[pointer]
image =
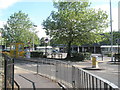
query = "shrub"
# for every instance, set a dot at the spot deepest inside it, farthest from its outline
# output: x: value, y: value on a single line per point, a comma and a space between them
x: 109, y: 54
x: 87, y: 56
x: 77, y: 56
x: 81, y: 56
x: 36, y: 54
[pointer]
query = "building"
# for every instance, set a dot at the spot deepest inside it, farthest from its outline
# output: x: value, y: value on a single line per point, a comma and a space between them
x: 94, y: 48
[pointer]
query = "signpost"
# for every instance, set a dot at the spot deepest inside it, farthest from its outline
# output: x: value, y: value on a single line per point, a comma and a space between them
x: 46, y: 41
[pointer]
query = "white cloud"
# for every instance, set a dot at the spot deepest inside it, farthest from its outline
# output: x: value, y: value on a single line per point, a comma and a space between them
x: 41, y: 32
x: 6, y: 3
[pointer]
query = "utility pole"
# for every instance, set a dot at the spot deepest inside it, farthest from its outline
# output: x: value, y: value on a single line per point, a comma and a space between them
x: 111, y: 32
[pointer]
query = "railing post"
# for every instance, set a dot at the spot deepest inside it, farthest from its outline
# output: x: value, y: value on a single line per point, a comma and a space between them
x: 37, y: 67
x: 5, y: 74
x: 87, y: 81
x: 102, y: 57
x: 8, y: 73
x: 73, y: 76
x: 56, y: 73
x: 93, y: 83
x: 12, y: 74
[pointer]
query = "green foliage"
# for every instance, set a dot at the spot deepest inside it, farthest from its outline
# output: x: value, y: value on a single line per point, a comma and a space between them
x: 109, y: 54
x: 75, y: 23
x: 42, y: 42
x: 87, y: 55
x: 107, y: 37
x: 81, y: 56
x: 77, y: 57
x: 19, y: 28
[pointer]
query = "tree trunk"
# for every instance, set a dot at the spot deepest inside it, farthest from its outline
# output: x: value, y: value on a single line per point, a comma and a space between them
x: 69, y: 50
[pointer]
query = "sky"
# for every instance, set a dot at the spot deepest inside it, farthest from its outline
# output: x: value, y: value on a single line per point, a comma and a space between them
x: 39, y: 10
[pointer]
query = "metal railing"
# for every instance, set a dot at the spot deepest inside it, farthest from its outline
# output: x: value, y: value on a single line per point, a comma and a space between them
x: 89, y: 81
x: 1, y: 71
x: 8, y: 76
x: 69, y: 75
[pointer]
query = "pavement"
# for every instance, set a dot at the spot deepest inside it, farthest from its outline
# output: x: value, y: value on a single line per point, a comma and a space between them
x: 30, y: 80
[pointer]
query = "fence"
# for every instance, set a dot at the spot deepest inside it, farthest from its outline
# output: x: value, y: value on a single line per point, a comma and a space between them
x: 8, y: 76
x: 57, y: 55
x: 1, y: 71
x: 69, y: 75
x: 89, y: 81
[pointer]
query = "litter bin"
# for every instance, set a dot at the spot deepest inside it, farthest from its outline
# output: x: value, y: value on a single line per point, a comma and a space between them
x: 94, y: 62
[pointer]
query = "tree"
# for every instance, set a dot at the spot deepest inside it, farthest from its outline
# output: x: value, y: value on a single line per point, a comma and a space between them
x: 107, y: 38
x: 75, y: 23
x: 19, y: 28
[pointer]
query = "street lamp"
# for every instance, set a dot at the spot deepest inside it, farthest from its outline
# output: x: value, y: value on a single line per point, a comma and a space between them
x: 111, y: 32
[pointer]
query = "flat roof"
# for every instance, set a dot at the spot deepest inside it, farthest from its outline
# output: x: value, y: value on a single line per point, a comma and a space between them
x: 109, y: 46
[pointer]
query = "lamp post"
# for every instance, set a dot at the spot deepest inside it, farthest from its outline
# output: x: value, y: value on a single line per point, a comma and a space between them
x: 111, y: 32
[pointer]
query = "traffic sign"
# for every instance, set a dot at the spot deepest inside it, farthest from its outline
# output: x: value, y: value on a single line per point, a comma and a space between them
x: 46, y: 40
